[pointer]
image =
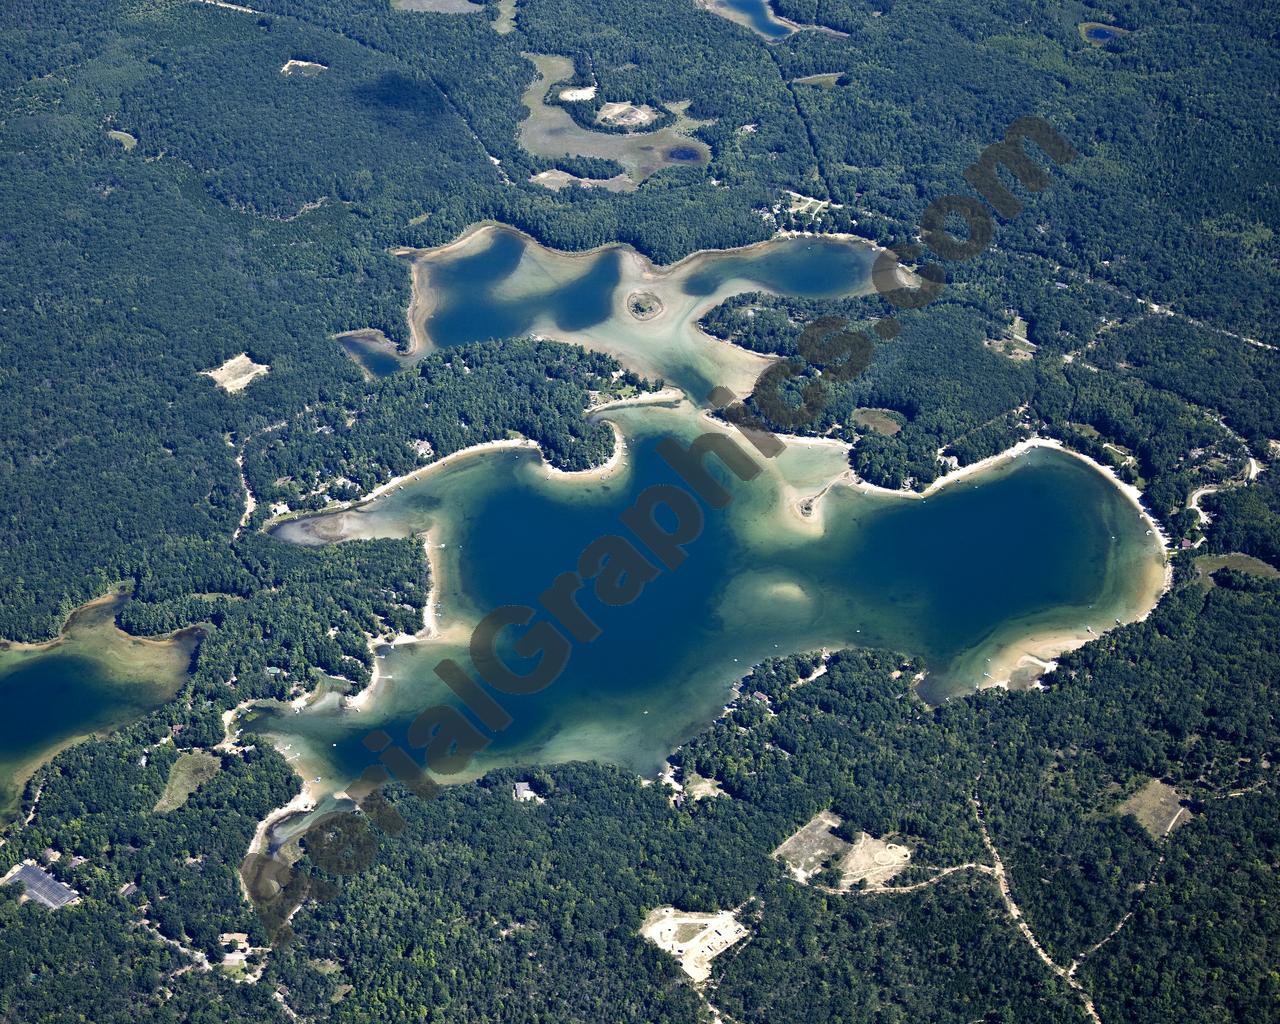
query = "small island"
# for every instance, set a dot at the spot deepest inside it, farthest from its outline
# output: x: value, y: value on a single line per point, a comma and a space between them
x: 644, y: 305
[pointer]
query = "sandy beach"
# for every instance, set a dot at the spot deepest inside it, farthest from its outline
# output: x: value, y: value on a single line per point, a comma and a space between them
x: 303, y: 802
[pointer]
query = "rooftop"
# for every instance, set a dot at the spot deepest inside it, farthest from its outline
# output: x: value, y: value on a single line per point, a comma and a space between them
x: 42, y: 886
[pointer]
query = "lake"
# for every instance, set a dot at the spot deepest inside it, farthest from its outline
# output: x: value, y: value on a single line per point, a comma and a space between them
x: 1042, y: 546
x: 94, y: 678
x: 756, y: 15
x: 1030, y: 556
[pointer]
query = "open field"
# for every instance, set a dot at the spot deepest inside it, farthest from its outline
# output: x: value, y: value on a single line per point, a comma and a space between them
x: 822, y: 81
x: 693, y: 939
x: 550, y: 131
x: 812, y: 848
x: 882, y: 421
x: 1017, y: 349
x: 236, y: 373
x: 1207, y: 565
x: 868, y: 862
x: 185, y: 777
x: 698, y: 788
x: 506, y: 20
x: 557, y: 179
x: 124, y: 138
x: 1158, y: 808
x: 873, y: 861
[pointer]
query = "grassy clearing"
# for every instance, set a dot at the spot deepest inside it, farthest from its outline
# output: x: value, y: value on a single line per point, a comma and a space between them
x: 827, y: 81
x: 124, y: 138
x: 185, y: 777
x: 1206, y: 565
x: 506, y: 20
x: 1018, y: 349
x: 1158, y: 808
x: 881, y: 421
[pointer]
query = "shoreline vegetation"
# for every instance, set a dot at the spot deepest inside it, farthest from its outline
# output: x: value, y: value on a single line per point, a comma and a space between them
x: 677, y: 320
x: 1013, y: 663
x: 1040, y: 646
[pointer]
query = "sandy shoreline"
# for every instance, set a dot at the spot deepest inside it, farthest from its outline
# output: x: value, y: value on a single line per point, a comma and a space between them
x: 1038, y: 649
x: 300, y: 804
x: 430, y: 628
x: 601, y: 472
x: 1022, y: 447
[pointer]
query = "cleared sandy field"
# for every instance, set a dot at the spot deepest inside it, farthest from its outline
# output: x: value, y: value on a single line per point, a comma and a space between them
x: 236, y: 373
x: 693, y: 939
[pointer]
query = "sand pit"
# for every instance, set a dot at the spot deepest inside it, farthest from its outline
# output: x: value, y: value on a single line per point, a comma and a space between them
x: 586, y: 92
x: 693, y: 939
x: 873, y: 861
x: 236, y: 373
x: 868, y: 862
x: 624, y: 115
x: 306, y: 68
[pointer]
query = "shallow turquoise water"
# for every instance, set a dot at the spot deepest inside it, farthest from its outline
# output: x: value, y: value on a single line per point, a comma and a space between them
x: 760, y: 17
x: 1043, y: 540
x: 95, y: 679
x: 471, y: 309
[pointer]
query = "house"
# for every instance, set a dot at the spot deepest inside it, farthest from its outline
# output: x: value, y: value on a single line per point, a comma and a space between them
x: 522, y: 792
